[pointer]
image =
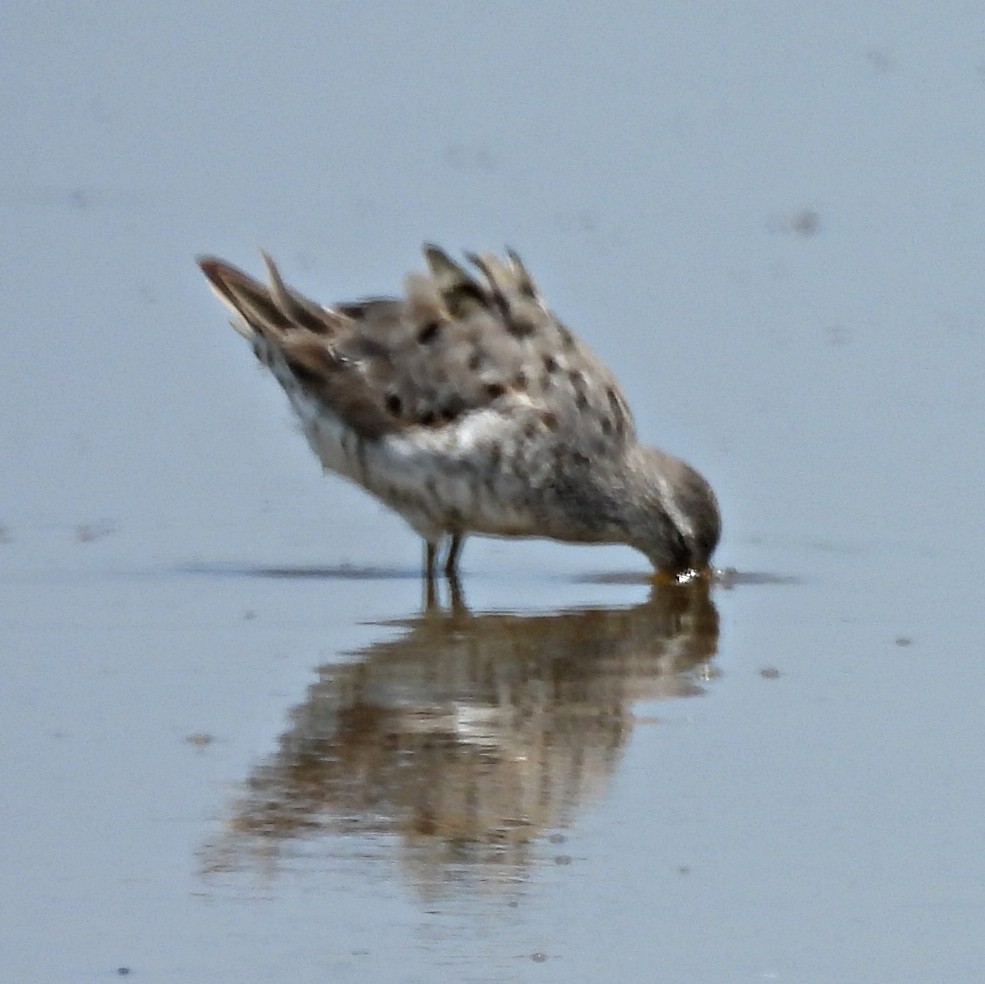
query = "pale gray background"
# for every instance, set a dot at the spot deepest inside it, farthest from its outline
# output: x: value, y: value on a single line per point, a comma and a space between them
x: 767, y: 218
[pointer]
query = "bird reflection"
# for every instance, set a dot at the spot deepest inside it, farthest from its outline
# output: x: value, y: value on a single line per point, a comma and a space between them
x: 469, y: 736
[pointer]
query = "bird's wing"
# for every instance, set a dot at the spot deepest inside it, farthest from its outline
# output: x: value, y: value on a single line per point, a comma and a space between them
x: 453, y: 345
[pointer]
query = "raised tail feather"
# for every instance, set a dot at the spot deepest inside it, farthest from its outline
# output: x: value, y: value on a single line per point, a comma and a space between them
x: 268, y: 310
x: 287, y: 328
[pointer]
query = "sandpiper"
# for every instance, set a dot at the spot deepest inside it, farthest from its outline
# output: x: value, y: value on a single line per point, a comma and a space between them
x: 468, y: 407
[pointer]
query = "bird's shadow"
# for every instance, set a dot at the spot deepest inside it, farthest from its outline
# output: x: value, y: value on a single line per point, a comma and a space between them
x: 726, y: 578
x: 339, y: 572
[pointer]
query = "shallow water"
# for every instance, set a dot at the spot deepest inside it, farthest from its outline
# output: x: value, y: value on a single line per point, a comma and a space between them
x: 237, y: 741
x: 222, y: 774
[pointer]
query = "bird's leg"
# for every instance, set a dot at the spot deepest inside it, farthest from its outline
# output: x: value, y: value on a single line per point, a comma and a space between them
x: 455, y: 597
x: 430, y: 594
x: 451, y: 560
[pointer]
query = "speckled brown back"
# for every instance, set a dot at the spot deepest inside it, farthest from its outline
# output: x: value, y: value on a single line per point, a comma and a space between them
x: 451, y: 346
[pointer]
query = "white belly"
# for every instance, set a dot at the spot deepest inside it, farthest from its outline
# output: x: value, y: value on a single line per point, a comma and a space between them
x: 440, y: 480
